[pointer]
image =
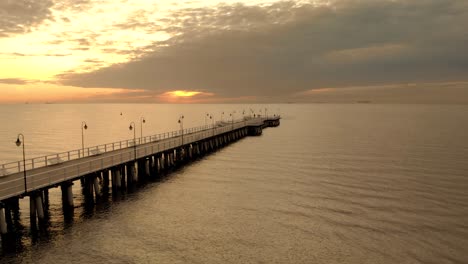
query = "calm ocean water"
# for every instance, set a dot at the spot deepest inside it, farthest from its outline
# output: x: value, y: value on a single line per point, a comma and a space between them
x: 351, y: 183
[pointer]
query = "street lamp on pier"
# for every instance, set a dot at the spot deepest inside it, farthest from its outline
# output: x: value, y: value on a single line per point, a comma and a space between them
x: 84, y: 126
x: 181, y: 122
x: 142, y: 121
x: 232, y: 120
x: 131, y: 127
x: 212, y: 124
x: 18, y: 143
x: 206, y: 117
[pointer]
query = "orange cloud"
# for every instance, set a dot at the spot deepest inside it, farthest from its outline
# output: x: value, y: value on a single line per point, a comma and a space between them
x: 38, y: 92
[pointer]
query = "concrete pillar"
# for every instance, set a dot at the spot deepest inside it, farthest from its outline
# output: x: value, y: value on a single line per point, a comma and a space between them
x: 157, y: 164
x: 3, y: 223
x: 162, y: 161
x: 46, y: 202
x: 141, y: 168
x: 152, y: 166
x: 40, y: 207
x: 115, y: 181
x: 182, y: 155
x: 105, y: 180
x: 169, y: 159
x: 32, y: 211
x: 128, y: 174
x: 67, y: 194
x: 121, y: 174
x: 96, y: 187
x: 136, y: 176
x: 147, y: 167
x: 88, y: 189
x: 7, y: 209
x: 132, y: 176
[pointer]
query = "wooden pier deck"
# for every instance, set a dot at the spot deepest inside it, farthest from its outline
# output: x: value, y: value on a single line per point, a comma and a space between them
x: 56, y: 171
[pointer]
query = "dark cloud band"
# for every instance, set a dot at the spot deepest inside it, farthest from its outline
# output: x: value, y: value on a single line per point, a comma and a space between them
x: 285, y: 48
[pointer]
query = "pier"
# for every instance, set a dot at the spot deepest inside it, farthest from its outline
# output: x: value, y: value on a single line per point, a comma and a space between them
x: 117, y: 167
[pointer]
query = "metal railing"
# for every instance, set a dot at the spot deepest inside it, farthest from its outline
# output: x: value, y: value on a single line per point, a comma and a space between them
x: 43, y: 161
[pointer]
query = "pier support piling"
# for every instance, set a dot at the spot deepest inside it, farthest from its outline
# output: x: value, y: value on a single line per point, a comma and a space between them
x: 67, y: 195
x: 3, y: 222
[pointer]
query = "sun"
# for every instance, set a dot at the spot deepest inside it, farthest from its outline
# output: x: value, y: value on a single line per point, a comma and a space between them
x: 183, y: 93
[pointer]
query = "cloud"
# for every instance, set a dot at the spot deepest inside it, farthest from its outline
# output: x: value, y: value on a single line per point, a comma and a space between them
x: 72, y: 5
x: 16, y: 54
x: 285, y: 48
x: 14, y: 81
x: 424, y: 93
x: 20, y: 16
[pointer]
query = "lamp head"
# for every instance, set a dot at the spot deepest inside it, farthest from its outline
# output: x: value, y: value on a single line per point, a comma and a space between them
x: 85, y: 126
x: 144, y: 121
x: 130, y: 127
x: 18, y: 142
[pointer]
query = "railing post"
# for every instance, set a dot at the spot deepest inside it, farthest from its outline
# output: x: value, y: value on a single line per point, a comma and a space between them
x: 32, y: 163
x: 68, y: 157
x: 45, y: 158
x: 19, y: 166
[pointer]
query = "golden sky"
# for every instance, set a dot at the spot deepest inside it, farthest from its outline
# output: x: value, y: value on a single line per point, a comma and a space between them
x: 82, y: 37
x: 209, y: 51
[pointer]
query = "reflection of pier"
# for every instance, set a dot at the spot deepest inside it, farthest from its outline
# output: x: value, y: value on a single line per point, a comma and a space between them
x: 115, y: 167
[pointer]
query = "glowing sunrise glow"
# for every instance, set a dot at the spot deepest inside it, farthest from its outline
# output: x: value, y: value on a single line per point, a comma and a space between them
x: 181, y: 93
x: 183, y: 96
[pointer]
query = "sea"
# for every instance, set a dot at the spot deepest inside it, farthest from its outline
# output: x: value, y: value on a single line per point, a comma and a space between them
x: 334, y: 183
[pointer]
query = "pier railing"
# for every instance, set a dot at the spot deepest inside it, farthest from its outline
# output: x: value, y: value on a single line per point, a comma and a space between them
x: 54, y: 159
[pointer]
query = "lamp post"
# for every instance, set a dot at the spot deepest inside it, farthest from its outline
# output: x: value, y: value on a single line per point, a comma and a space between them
x: 134, y: 137
x: 84, y: 126
x: 142, y: 121
x: 232, y: 120
x: 222, y: 116
x: 181, y: 122
x: 206, y: 116
x: 18, y: 143
x: 213, y: 124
